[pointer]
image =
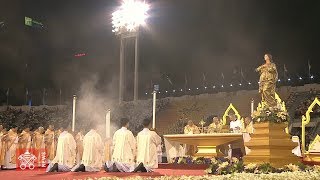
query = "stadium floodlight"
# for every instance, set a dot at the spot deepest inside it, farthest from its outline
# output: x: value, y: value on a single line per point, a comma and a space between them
x: 130, y: 15
x: 126, y: 21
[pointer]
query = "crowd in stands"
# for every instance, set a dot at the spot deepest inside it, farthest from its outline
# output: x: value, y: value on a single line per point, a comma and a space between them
x: 303, y: 106
x: 14, y: 117
x: 58, y: 115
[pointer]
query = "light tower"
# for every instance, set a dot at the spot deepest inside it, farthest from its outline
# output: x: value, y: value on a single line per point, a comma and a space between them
x: 126, y: 22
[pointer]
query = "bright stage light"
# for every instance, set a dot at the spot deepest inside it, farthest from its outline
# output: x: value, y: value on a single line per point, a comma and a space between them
x: 130, y: 15
x: 249, y: 83
x: 300, y: 78
x: 289, y: 79
x: 311, y: 77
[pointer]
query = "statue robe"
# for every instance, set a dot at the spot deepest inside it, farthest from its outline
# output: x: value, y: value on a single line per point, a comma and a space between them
x: 66, y: 152
x: 49, y: 144
x: 24, y: 142
x: 92, y: 157
x: 147, y: 143
x: 267, y: 86
x: 124, y: 146
x: 11, y: 143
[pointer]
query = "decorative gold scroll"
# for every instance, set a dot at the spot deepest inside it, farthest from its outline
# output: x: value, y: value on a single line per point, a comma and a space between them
x: 226, y: 113
x: 306, y: 120
x: 316, y: 139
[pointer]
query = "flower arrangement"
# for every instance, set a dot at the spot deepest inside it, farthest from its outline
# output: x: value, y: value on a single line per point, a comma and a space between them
x: 276, y: 115
x: 225, y: 166
x: 192, y: 160
x: 237, y: 176
x: 234, y: 169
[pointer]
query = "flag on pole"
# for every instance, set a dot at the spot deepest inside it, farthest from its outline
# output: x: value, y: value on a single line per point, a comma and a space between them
x: 185, y: 81
x: 204, y: 80
x: 309, y: 68
x: 242, y: 75
x: 169, y: 80
x: 8, y: 91
x: 222, y: 75
x: 285, y: 70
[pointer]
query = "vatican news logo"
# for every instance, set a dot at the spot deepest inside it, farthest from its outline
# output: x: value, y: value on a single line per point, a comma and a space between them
x: 31, y: 159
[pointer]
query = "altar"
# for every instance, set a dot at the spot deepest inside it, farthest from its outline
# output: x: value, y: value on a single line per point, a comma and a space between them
x: 206, y: 143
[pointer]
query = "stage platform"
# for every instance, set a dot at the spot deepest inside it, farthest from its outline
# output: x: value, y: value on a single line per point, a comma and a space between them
x: 164, y: 169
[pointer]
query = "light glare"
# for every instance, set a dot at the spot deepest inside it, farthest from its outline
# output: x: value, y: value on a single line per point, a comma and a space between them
x: 130, y: 15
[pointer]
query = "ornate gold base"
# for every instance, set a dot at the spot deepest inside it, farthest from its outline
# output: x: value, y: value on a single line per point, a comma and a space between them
x: 312, y: 157
x: 208, y: 151
x: 270, y: 144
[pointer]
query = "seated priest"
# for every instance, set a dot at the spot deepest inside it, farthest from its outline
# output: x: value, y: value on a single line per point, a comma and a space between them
x: 248, y: 125
x: 147, y: 147
x: 66, y: 153
x: 235, y: 124
x: 190, y: 128
x: 215, y: 126
x: 237, y: 148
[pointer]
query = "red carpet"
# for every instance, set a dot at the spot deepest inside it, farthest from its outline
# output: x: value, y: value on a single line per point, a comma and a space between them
x: 42, y: 175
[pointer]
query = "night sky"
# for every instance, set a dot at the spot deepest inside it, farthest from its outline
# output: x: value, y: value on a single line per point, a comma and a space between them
x: 183, y: 38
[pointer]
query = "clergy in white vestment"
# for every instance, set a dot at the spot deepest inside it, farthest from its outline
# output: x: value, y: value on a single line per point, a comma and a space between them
x: 92, y: 158
x: 235, y: 124
x: 124, y: 144
x: 66, y: 153
x: 124, y: 150
x: 147, y: 143
x: 237, y: 148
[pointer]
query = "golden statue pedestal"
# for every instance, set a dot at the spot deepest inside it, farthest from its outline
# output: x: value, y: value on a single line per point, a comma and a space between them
x: 270, y: 144
x: 312, y: 157
x: 207, y: 144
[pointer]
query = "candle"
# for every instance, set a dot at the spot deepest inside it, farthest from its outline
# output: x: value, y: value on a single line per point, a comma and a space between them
x: 154, y: 110
x: 74, y: 112
x: 108, y: 117
x: 252, y: 106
